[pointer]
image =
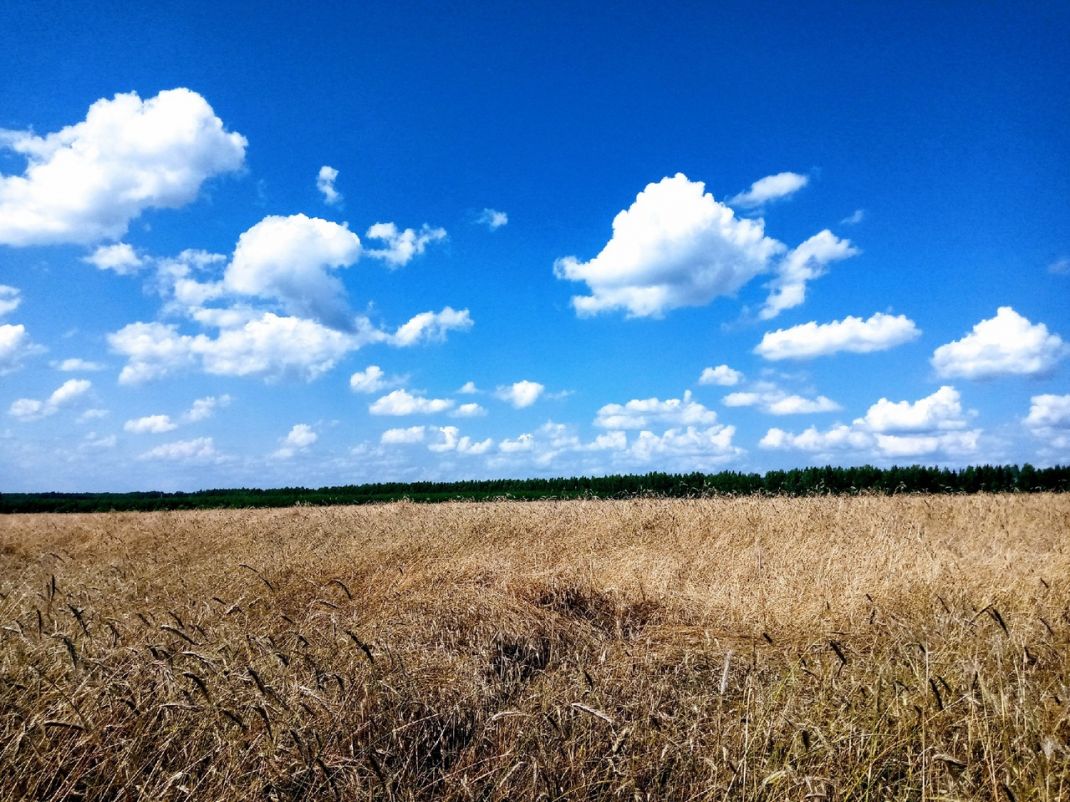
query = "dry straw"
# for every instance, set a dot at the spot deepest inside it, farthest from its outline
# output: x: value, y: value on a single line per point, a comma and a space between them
x: 824, y: 648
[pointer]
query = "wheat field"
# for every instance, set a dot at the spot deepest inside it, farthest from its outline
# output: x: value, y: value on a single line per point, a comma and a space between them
x: 911, y: 647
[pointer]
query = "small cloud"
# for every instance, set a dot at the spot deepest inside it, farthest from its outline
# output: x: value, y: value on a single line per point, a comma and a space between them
x: 1005, y: 345
x: 852, y: 334
x: 120, y: 258
x: 643, y: 413
x: 98, y: 442
x: 468, y: 411
x: 525, y: 442
x: 200, y: 449
x: 770, y: 188
x: 325, y: 184
x: 449, y: 438
x: 854, y: 218
x: 492, y: 219
x: 401, y: 246
x: 806, y: 262
x: 299, y: 439
x: 92, y: 414
x: 431, y: 327
x: 204, y: 408
x: 407, y: 436
x: 402, y: 402
x: 1049, y: 410
x: 10, y: 298
x: 373, y: 380
x: 468, y: 388
x: 15, y: 346
x: 722, y: 376
x: 150, y: 424
x: 1060, y: 267
x: 772, y: 400
x: 1049, y: 420
x: 29, y: 409
x: 76, y: 365
x: 520, y: 394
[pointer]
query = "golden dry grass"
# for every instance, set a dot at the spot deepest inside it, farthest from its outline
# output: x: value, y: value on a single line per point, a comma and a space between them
x: 823, y: 648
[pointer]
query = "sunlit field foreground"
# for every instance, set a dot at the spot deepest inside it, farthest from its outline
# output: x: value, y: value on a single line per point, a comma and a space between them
x: 823, y: 648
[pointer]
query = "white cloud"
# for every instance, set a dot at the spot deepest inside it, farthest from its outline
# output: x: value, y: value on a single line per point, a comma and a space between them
x: 431, y: 327
x: 299, y: 439
x: 401, y: 402
x: 712, y: 445
x: 98, y: 442
x: 150, y: 424
x: 468, y: 446
x: 269, y: 345
x: 643, y: 413
x: 1060, y: 267
x: 879, y: 333
x: 77, y: 365
x: 200, y: 449
x: 325, y: 184
x: 468, y: 388
x: 525, y: 442
x: 407, y: 436
x: 770, y: 188
x: 854, y: 218
x: 520, y: 394
x: 120, y: 258
x: 10, y: 298
x: 1049, y: 411
x: 177, y: 277
x: 844, y: 438
x: 608, y: 441
x: 685, y: 448
x: 204, y: 408
x: 252, y: 343
x: 401, y: 246
x: 15, y: 346
x: 941, y: 410
x: 373, y: 380
x: 277, y: 345
x: 470, y: 410
x: 675, y: 246
x: 1049, y: 420
x: 797, y: 405
x: 92, y: 414
x: 450, y: 439
x: 28, y: 409
x: 774, y: 401
x: 834, y: 438
x: 153, y: 350
x: 492, y: 219
x: 287, y: 259
x: 1005, y: 345
x: 921, y: 445
x: 890, y: 430
x: 804, y: 263
x: 87, y: 181
x: 722, y: 376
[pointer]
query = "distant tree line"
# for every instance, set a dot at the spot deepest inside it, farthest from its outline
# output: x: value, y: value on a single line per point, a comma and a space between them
x: 797, y: 482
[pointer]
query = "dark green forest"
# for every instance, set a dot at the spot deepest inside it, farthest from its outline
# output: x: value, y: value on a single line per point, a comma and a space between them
x: 797, y: 482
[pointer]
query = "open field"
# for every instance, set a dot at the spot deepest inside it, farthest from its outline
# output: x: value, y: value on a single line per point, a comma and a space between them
x: 910, y: 647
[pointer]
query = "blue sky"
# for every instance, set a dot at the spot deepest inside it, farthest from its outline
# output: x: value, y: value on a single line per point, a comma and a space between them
x: 261, y: 245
